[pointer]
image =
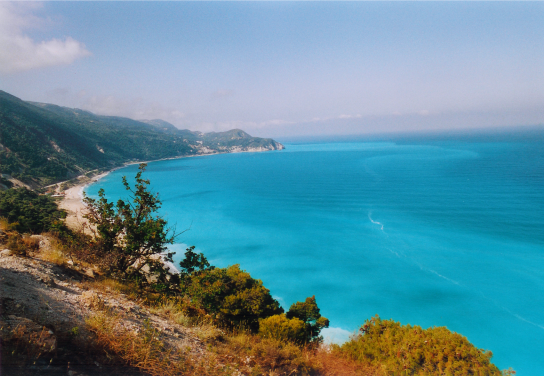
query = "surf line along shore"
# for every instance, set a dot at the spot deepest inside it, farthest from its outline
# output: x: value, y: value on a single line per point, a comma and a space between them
x: 76, y: 209
x: 72, y: 200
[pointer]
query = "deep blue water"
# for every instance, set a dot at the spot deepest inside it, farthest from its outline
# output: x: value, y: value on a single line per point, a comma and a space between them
x: 430, y: 233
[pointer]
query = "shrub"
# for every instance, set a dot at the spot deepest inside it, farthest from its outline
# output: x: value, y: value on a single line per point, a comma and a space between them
x: 411, y: 350
x: 231, y: 297
x: 193, y: 262
x: 29, y: 212
x: 281, y: 328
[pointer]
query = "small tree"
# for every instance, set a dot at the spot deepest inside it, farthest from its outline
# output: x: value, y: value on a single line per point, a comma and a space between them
x: 308, y: 312
x: 231, y: 296
x: 130, y: 236
x: 194, y: 262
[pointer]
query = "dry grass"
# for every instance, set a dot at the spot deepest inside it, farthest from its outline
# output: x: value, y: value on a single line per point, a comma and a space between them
x: 56, y: 252
x: 4, y: 224
x: 254, y: 355
x: 146, y: 351
x: 232, y: 354
x: 31, y: 345
x: 110, y: 285
x: 202, y: 326
x: 54, y: 256
x: 331, y: 364
x: 172, y: 311
x: 32, y: 244
x: 19, y: 244
x: 129, y: 289
x: 23, y: 345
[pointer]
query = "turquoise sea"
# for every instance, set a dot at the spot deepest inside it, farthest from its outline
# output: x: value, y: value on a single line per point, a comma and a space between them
x: 430, y: 231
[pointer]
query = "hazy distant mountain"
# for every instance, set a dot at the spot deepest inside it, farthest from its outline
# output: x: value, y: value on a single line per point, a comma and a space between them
x: 161, y: 124
x: 44, y: 143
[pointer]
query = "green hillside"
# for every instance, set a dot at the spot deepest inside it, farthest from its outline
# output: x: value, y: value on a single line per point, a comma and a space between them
x: 44, y: 143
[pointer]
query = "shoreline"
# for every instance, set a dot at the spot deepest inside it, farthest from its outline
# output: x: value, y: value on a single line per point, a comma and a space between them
x: 73, y: 203
x: 72, y: 200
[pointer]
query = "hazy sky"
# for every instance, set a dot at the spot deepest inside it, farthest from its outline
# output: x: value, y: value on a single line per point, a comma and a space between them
x: 282, y: 68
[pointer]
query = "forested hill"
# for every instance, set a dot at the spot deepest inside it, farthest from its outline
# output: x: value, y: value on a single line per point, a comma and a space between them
x: 44, y: 143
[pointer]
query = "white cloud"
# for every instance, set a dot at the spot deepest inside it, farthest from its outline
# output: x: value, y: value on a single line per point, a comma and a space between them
x: 19, y: 52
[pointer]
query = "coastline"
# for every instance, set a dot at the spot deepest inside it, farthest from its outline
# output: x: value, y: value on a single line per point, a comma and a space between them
x: 72, y: 200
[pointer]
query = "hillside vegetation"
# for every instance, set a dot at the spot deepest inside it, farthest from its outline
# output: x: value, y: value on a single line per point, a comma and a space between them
x: 43, y: 143
x: 114, y: 303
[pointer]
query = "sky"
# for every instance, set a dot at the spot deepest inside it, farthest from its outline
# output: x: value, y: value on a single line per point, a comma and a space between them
x: 281, y: 69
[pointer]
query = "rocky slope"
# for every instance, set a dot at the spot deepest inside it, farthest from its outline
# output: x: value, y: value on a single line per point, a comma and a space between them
x: 43, y: 311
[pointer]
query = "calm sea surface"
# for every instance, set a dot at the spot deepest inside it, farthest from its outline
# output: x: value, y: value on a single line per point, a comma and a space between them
x: 430, y: 233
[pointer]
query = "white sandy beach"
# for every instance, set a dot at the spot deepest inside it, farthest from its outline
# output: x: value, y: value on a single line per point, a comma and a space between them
x: 73, y: 197
x: 73, y: 201
x: 75, y: 208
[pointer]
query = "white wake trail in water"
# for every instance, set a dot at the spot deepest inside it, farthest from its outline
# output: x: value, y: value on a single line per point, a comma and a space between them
x: 395, y: 253
x: 440, y: 275
x: 375, y: 222
x: 517, y: 316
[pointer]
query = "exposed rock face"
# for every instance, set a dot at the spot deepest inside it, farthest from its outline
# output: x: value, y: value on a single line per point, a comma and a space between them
x: 278, y: 146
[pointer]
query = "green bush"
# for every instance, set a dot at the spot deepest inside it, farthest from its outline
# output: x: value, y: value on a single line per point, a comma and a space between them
x: 29, y: 212
x: 308, y: 313
x: 193, y: 262
x: 281, y: 328
x: 231, y: 296
x: 411, y: 350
